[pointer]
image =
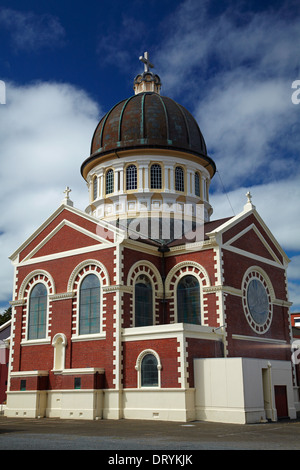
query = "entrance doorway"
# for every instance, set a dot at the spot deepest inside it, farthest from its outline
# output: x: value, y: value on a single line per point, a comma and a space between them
x: 281, y: 401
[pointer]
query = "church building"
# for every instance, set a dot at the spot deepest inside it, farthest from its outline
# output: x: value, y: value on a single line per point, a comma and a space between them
x: 143, y: 306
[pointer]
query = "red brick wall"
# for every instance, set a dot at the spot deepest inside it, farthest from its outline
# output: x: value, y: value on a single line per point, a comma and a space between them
x: 167, y: 351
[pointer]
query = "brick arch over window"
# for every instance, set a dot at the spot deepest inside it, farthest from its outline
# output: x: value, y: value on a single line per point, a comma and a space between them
x: 178, y: 272
x: 33, y: 278
x: 90, y: 266
x: 148, y: 269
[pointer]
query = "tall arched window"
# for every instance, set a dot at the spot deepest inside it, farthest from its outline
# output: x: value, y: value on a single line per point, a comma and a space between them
x: 37, y: 317
x: 95, y: 188
x: 109, y: 181
x: 89, y: 305
x: 179, y: 179
x: 143, y: 301
x: 197, y: 184
x: 149, y: 371
x: 155, y: 175
x: 188, y: 300
x: 131, y: 177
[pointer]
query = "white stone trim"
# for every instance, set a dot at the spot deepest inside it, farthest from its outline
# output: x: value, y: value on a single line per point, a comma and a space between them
x: 138, y: 368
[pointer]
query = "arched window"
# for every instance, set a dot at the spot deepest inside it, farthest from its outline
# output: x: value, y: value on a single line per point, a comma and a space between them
x: 155, y: 175
x: 149, y: 371
x: 131, y: 177
x: 188, y: 300
x: 179, y: 179
x: 89, y: 305
x: 197, y: 184
x: 95, y: 188
x: 37, y: 317
x: 109, y: 181
x: 143, y: 301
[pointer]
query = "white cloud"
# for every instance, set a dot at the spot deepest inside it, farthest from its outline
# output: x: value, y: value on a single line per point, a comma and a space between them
x: 45, y: 134
x: 30, y: 31
x: 236, y: 79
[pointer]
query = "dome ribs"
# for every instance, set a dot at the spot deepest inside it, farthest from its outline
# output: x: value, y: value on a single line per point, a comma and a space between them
x: 148, y: 120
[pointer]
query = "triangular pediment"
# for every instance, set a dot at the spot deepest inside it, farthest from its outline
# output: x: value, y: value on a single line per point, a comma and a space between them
x: 67, y: 230
x: 247, y: 234
x: 65, y: 237
x: 252, y: 241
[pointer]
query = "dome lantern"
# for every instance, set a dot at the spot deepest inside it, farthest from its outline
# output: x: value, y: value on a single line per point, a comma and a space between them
x: 147, y: 81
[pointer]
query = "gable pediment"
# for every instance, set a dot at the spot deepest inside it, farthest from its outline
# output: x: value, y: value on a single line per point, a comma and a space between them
x: 250, y: 241
x: 65, y: 237
x: 66, y: 231
x: 248, y: 235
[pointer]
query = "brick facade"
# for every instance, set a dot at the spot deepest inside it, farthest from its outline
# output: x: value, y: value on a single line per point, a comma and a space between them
x: 71, y: 245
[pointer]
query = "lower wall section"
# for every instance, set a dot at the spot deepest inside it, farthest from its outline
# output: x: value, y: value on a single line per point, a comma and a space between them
x: 31, y: 404
x: 162, y: 404
x: 242, y: 390
x: 229, y: 390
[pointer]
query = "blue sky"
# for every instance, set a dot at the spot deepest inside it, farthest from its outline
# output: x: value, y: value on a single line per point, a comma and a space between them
x: 231, y: 63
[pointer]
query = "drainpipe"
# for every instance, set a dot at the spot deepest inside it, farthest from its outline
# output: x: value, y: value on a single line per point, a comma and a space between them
x: 163, y: 249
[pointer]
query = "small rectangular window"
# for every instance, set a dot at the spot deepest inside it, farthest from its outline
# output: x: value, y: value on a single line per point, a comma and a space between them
x: 23, y: 385
x: 77, y: 382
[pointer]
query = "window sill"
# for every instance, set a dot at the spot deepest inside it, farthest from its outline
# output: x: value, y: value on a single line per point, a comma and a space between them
x: 35, y: 342
x: 91, y: 337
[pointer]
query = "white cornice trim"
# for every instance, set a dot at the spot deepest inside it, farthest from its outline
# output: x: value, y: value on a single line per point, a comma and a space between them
x: 257, y: 339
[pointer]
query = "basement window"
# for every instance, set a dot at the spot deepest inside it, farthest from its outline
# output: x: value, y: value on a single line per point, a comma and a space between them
x: 77, y: 383
x: 23, y: 385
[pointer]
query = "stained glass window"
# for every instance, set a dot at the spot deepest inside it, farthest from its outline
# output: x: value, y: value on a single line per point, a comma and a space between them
x: 143, y: 302
x: 179, y: 179
x: 188, y: 300
x: 131, y: 177
x: 258, y: 303
x: 37, y: 312
x: 110, y: 181
x: 149, y: 371
x: 89, y: 305
x: 155, y: 176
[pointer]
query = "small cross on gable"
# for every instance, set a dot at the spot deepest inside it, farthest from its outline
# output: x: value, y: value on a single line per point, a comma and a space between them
x: 67, y: 191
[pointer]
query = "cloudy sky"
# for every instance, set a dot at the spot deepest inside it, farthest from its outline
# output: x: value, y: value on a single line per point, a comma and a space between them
x: 231, y: 63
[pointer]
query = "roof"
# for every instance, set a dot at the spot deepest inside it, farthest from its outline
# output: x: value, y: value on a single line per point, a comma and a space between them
x: 148, y: 120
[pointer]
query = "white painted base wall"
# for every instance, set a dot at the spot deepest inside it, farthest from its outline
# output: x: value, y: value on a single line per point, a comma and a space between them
x: 229, y: 390
x: 240, y: 390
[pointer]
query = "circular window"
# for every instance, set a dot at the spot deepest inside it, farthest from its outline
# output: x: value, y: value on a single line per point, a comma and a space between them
x: 257, y: 302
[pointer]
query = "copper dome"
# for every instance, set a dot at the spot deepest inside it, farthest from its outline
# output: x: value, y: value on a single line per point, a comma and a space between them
x: 148, y: 121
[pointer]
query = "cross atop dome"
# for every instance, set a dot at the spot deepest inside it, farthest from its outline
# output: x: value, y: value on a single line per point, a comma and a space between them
x: 147, y: 81
x: 146, y: 62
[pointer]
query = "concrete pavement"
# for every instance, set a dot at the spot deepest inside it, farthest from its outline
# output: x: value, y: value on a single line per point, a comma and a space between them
x: 125, y: 435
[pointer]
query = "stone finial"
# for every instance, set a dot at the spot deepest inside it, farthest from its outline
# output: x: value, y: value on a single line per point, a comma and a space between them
x: 249, y: 204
